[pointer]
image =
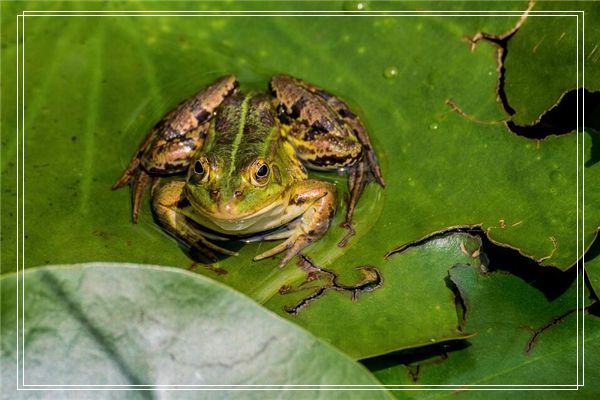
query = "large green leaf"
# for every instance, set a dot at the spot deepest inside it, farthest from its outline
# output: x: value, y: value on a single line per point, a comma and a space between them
x: 523, y: 338
x: 546, y: 43
x: 126, y: 324
x: 413, y: 306
x: 95, y: 85
x: 592, y: 266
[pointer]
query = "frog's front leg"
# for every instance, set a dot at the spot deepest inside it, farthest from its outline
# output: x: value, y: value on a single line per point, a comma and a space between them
x: 326, y: 135
x: 315, y: 202
x: 173, y: 141
x: 170, y: 207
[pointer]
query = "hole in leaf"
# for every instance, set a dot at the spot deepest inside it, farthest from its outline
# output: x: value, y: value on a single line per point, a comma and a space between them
x: 562, y: 117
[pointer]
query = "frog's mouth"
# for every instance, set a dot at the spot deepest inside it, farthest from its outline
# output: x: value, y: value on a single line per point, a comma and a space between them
x: 227, y: 219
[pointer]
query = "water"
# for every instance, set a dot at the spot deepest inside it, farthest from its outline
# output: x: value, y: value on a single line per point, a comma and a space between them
x: 390, y: 72
x: 355, y: 6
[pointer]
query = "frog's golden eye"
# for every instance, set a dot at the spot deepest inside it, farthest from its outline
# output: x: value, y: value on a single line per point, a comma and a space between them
x: 200, y: 169
x: 260, y: 176
x: 262, y: 171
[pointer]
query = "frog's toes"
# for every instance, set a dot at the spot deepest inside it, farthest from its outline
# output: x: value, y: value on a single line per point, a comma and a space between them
x: 293, y: 245
x: 275, y: 250
x: 294, y: 250
x: 351, y: 232
x: 128, y: 174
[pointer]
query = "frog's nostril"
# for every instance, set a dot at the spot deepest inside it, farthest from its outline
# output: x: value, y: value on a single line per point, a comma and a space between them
x: 237, y: 193
x: 214, y: 194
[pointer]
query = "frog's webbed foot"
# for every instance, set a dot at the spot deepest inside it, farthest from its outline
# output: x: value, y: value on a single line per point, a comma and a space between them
x: 320, y: 200
x: 293, y: 245
x: 167, y: 205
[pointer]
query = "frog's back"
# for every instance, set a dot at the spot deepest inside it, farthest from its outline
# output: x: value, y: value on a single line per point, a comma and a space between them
x: 245, y: 128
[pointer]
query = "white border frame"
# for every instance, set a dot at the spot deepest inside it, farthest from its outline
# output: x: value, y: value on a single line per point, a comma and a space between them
x: 364, y: 13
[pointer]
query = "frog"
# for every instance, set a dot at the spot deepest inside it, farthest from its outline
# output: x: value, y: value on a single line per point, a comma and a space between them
x: 240, y: 163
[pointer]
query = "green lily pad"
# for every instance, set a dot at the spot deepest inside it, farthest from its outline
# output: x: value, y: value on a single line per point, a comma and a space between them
x: 94, y: 86
x: 541, y: 62
x: 592, y: 266
x: 410, y: 305
x: 523, y: 338
x: 126, y: 324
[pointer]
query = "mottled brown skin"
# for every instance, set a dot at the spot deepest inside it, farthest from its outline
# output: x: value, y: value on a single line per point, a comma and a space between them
x: 223, y: 137
x: 327, y: 135
x: 171, y: 144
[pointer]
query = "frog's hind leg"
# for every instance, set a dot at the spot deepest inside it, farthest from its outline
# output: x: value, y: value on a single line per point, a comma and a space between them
x: 352, y: 120
x: 327, y: 135
x: 370, y: 159
x: 289, y: 91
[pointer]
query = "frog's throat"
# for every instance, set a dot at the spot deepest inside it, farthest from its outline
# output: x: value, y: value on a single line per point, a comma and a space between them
x: 234, y: 222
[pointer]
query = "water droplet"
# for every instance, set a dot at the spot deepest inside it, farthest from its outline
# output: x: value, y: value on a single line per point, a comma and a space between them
x: 433, y: 126
x: 355, y: 6
x: 390, y: 72
x: 432, y: 340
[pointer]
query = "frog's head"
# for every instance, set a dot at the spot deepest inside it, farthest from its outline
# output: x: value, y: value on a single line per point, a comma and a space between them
x: 230, y: 193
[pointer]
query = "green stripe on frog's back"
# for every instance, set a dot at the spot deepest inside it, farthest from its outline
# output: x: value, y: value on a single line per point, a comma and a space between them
x: 260, y: 130
x: 228, y: 127
x: 244, y: 129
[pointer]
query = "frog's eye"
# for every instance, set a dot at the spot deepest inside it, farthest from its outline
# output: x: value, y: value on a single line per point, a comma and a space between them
x: 261, y: 173
x: 201, y: 169
x: 198, y: 168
